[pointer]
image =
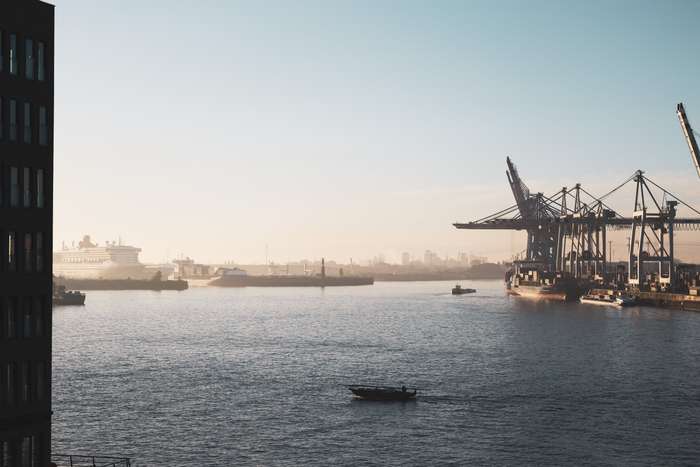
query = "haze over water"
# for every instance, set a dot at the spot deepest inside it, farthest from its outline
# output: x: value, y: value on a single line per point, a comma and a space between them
x: 252, y: 377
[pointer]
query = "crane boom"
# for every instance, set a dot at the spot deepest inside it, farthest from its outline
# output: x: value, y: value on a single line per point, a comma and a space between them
x: 689, y: 136
x: 521, y: 193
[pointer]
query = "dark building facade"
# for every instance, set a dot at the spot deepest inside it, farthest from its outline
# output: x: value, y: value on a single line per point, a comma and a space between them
x: 26, y: 212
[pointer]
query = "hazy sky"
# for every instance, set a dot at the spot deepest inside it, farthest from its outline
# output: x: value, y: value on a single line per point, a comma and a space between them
x: 349, y: 129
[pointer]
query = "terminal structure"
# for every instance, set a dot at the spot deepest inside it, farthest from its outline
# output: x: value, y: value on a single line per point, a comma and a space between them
x: 567, y: 231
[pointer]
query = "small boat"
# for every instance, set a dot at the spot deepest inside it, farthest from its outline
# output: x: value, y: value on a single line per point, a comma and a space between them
x: 458, y: 290
x: 607, y: 300
x: 63, y: 297
x: 382, y: 393
x: 623, y: 300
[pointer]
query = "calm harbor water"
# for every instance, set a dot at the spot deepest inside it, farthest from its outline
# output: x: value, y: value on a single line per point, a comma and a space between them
x: 219, y: 377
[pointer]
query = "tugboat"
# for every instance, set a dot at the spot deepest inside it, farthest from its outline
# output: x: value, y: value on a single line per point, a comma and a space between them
x: 458, y: 290
x: 62, y: 297
x: 382, y: 393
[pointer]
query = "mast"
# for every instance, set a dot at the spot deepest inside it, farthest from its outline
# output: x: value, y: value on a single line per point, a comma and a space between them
x: 689, y: 136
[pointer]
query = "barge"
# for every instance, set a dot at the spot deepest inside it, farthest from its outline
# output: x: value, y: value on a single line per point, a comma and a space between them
x: 235, y: 277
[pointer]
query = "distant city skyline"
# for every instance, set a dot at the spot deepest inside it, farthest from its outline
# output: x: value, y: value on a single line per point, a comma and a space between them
x: 352, y: 129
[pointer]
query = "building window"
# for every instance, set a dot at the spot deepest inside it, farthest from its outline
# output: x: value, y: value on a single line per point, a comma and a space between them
x: 27, y: 187
x: 13, y: 54
x: 43, y: 126
x: 6, y: 457
x: 11, y: 250
x: 13, y: 120
x: 41, y: 59
x: 26, y: 318
x: 39, y: 247
x: 25, y: 382
x: 14, y: 187
x: 27, y: 252
x: 27, y: 451
x: 39, y: 322
x: 10, y: 383
x: 29, y: 59
x: 27, y: 123
x: 40, y: 188
x: 40, y: 381
x: 10, y: 315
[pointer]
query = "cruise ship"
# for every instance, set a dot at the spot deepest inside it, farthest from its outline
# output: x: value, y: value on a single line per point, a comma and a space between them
x: 92, y: 261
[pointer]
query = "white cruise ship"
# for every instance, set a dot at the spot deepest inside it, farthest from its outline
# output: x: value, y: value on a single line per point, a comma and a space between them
x: 92, y: 261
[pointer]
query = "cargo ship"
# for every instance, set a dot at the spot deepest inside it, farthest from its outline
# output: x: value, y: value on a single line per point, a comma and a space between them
x: 235, y: 277
x: 530, y: 279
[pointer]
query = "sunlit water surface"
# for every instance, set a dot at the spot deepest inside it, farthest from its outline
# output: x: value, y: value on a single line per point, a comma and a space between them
x: 218, y: 377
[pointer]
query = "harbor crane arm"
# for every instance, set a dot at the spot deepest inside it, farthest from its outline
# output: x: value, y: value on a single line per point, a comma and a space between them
x: 521, y: 193
x: 689, y: 136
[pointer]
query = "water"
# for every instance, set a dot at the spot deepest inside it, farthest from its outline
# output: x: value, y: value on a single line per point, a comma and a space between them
x: 218, y: 377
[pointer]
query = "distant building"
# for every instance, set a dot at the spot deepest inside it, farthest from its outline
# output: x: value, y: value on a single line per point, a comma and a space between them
x: 378, y: 260
x: 405, y: 258
x: 165, y: 271
x: 430, y: 258
x: 188, y: 269
x: 476, y: 260
x: 26, y: 150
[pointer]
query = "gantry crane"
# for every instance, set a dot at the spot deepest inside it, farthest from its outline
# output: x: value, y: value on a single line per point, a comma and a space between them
x: 566, y: 232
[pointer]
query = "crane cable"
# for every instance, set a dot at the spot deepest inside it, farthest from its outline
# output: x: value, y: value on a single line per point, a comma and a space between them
x: 674, y: 196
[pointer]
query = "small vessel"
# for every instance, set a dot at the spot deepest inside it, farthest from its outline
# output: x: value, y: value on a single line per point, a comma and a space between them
x: 63, y: 297
x: 623, y: 300
x: 607, y: 299
x: 382, y: 393
x: 458, y: 290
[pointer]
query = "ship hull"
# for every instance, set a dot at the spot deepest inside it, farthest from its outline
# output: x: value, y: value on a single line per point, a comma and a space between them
x: 69, y: 299
x: 539, y: 293
x: 598, y: 302
x: 121, y: 284
x: 289, y: 281
x: 563, y: 291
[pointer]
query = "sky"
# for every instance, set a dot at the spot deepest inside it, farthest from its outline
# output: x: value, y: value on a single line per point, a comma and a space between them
x: 221, y: 130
